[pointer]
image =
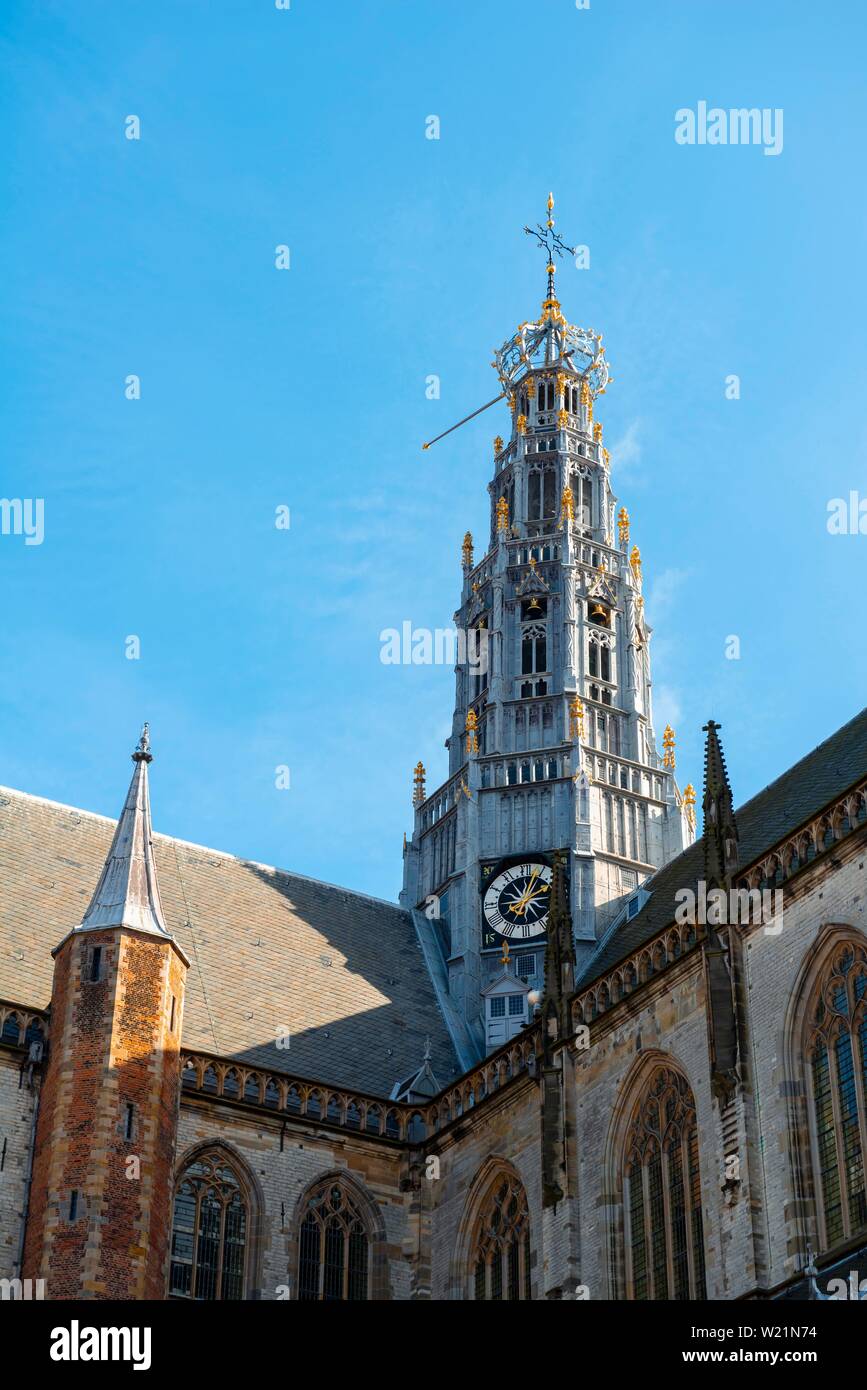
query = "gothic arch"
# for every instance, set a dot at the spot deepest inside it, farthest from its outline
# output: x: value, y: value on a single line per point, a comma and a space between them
x: 219, y: 1151
x: 378, y: 1285
x: 497, y: 1179
x: 647, y: 1071
x: 801, y: 1031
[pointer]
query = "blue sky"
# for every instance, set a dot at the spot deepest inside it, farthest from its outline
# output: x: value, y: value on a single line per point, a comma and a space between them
x: 306, y: 387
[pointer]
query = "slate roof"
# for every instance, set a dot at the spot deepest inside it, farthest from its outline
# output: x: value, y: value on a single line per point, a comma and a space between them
x: 795, y: 797
x: 343, y: 972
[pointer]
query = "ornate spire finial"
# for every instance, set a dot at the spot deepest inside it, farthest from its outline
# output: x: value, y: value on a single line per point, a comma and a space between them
x: 576, y: 718
x: 467, y: 550
x: 668, y: 742
x: 418, y: 783
x: 689, y: 803
x: 623, y: 527
x: 553, y: 245
x: 635, y: 563
x: 720, y: 827
x: 472, y: 731
x: 567, y: 507
x: 143, y: 752
x: 502, y: 515
x: 427, y: 1049
x: 505, y: 957
x: 127, y: 894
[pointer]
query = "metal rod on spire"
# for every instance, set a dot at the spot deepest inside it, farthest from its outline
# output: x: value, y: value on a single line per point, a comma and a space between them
x: 464, y: 421
x: 551, y: 242
x: 143, y: 750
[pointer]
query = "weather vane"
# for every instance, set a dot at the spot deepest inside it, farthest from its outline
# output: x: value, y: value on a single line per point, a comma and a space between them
x: 550, y: 341
x: 551, y: 241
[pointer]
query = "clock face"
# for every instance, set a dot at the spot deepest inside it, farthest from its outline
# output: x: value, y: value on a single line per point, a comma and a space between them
x: 515, y: 902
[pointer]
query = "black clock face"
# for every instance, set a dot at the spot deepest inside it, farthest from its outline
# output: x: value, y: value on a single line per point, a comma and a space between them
x: 515, y: 901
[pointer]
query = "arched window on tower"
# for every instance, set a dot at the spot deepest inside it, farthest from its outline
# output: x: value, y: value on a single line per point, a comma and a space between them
x: 582, y: 491
x: 209, y: 1231
x: 541, y: 494
x: 599, y: 662
x: 662, y: 1193
x: 501, y: 1245
x: 334, y: 1246
x: 837, y: 1069
x: 534, y: 648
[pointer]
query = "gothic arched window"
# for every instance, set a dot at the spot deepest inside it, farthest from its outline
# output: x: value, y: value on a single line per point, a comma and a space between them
x: 582, y: 490
x: 501, y: 1250
x: 837, y: 1065
x: 334, y: 1246
x: 534, y: 648
x: 209, y: 1231
x: 662, y: 1193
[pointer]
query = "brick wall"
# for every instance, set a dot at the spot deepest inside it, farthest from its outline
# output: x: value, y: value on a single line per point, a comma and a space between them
x: 97, y: 1224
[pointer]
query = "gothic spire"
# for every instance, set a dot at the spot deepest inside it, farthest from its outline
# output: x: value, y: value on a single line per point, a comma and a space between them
x: 127, y: 894
x: 559, y: 957
x: 720, y: 827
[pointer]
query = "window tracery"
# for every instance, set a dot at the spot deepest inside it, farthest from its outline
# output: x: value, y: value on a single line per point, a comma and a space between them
x: 501, y: 1255
x: 334, y: 1246
x: 837, y: 1066
x: 662, y: 1193
x: 209, y: 1231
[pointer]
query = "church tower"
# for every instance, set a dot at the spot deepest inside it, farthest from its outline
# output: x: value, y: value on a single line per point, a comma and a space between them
x: 553, y: 746
x: 101, y: 1197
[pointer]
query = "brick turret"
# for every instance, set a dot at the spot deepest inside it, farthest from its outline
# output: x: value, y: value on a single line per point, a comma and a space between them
x: 100, y: 1207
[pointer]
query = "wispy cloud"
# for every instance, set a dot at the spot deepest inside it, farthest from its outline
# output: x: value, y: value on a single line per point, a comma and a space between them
x: 626, y: 451
x: 663, y: 591
x: 667, y: 708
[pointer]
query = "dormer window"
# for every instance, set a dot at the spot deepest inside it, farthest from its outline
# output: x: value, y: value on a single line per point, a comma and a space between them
x: 506, y: 1010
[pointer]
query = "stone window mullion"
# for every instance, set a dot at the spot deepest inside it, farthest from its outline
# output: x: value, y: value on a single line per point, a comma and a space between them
x: 648, y: 1231
x: 842, y: 1175
x: 692, y: 1278
x: 858, y: 1067
x: 667, y: 1222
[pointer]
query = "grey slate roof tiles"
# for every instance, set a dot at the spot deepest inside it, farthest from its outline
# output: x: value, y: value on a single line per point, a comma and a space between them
x: 342, y: 972
x: 795, y: 797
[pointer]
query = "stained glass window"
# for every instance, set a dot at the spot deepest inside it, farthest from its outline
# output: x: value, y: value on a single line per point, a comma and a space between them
x: 334, y: 1247
x: 209, y: 1232
x: 662, y: 1188
x: 501, y: 1257
x: 837, y: 1055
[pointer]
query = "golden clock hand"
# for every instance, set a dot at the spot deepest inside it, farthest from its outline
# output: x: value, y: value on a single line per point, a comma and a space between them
x: 525, y: 896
